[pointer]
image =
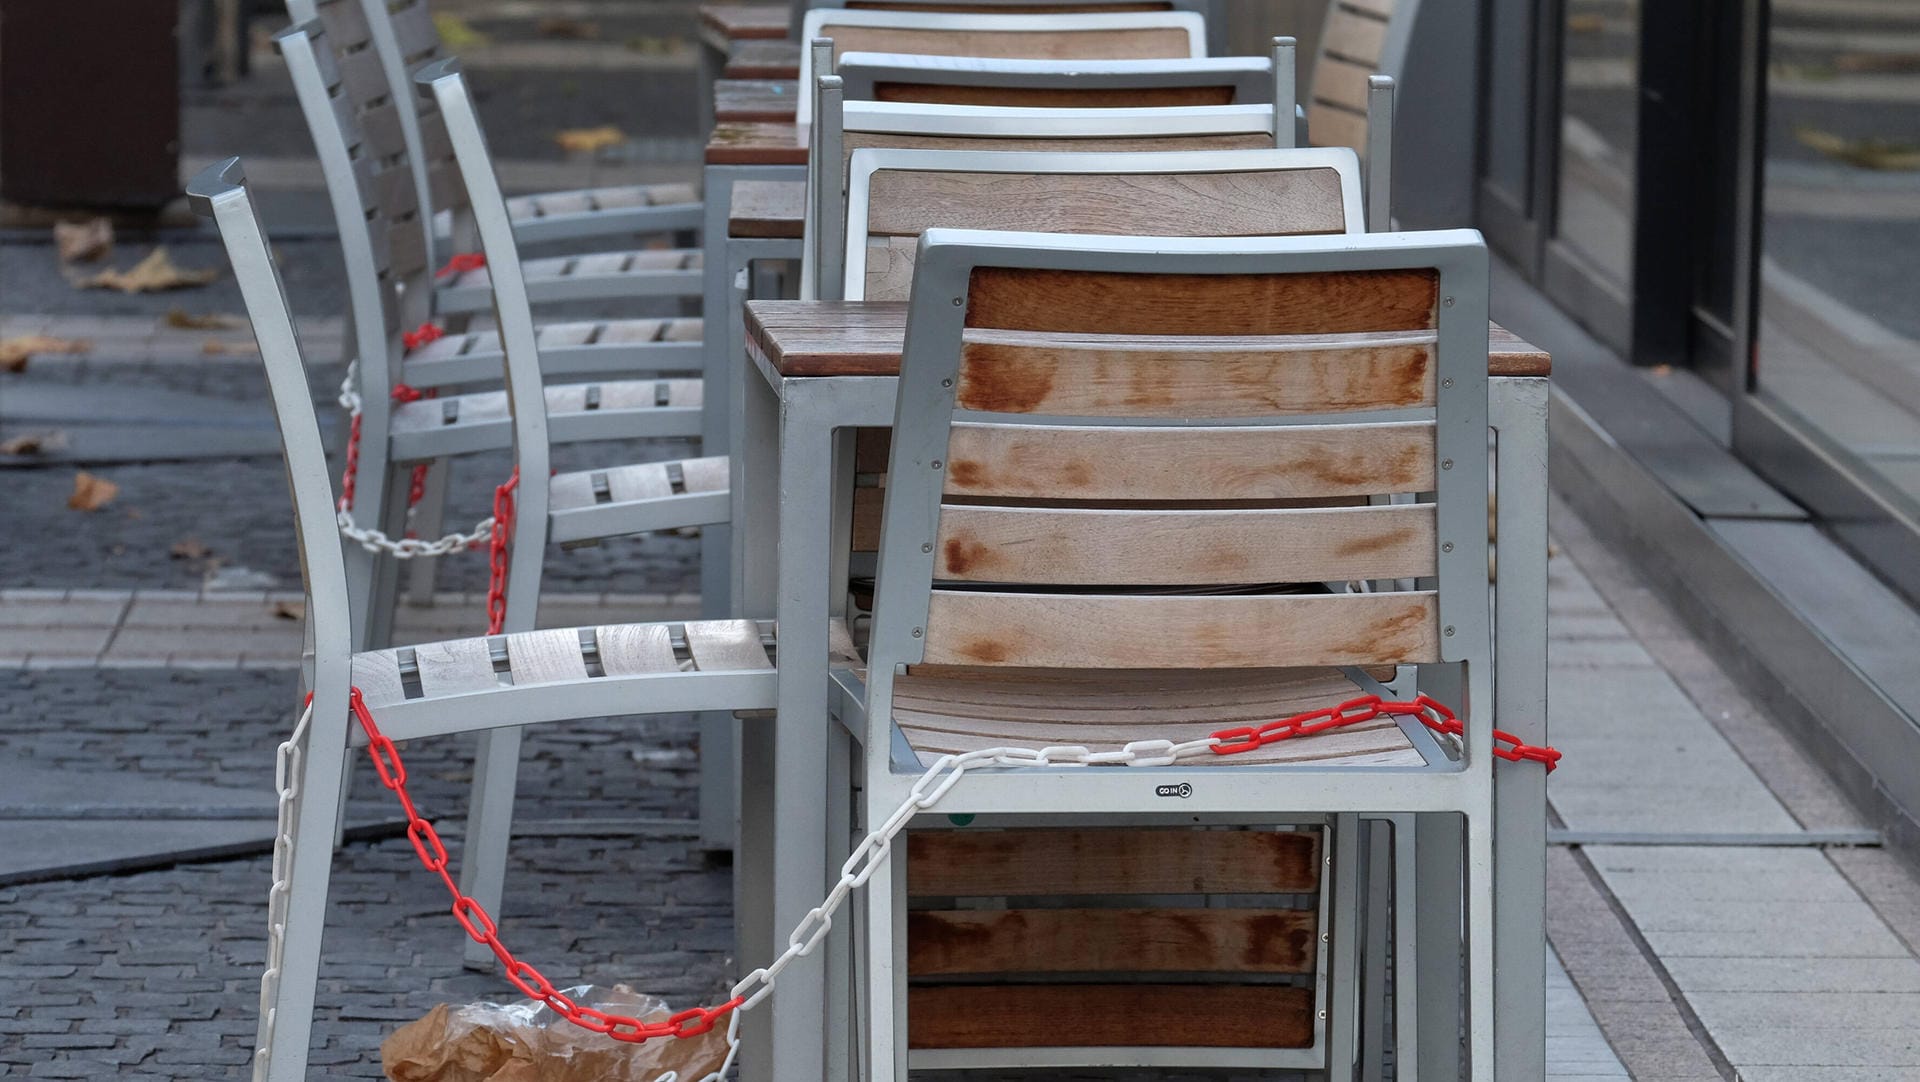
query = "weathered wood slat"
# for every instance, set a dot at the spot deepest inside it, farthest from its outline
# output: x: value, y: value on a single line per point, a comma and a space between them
x: 1115, y: 1015
x: 1254, y: 376
x: 1103, y: 547
x: 767, y: 208
x: 1175, y: 632
x: 1342, y: 83
x: 1286, y: 202
x: 1000, y: 863
x: 543, y: 657
x: 635, y: 649
x: 1152, y: 463
x: 1374, y: 743
x: 1330, y: 126
x: 377, y: 675
x: 1343, y: 302
x: 726, y: 645
x: 942, y: 943
x: 1353, y: 37
x: 1142, y: 43
x: 455, y: 666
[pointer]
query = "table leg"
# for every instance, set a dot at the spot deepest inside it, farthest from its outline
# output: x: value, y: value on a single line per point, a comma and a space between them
x: 1517, y: 409
x: 719, y: 755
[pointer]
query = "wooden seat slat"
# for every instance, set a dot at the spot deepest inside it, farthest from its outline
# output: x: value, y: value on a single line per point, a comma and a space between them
x: 377, y: 675
x: 1142, y: 43
x: 999, y: 863
x: 726, y: 645
x: 542, y: 657
x: 454, y: 666
x: 635, y: 649
x: 1173, y: 632
x: 944, y: 943
x: 1105, y: 547
x: 1375, y: 743
x: 1117, y: 1015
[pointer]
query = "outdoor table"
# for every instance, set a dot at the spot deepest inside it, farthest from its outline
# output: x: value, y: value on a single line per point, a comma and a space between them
x: 773, y: 100
x: 721, y: 25
x: 812, y: 371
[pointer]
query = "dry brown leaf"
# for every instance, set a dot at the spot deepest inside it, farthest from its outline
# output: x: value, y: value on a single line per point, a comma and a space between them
x: 14, y: 352
x: 83, y: 242
x: 290, y: 610
x: 184, y: 320
x: 33, y: 443
x: 91, y: 493
x: 571, y: 29
x: 190, y: 548
x: 1890, y: 155
x: 589, y: 140
x: 457, y: 34
x: 1587, y: 23
x: 151, y: 275
x: 214, y: 347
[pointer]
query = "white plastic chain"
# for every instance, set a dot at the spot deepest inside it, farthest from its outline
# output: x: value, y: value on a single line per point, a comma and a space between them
x: 286, y: 781
x: 405, y: 548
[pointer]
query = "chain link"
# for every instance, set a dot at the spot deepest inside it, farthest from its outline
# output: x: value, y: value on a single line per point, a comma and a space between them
x: 286, y: 781
x: 1429, y: 711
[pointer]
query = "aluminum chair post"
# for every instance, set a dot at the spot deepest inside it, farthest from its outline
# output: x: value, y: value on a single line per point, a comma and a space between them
x: 830, y: 221
x: 1379, y: 161
x: 1285, y: 92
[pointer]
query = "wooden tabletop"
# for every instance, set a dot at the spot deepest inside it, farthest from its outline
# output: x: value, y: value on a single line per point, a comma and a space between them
x: 741, y: 22
x: 763, y: 58
x: 863, y: 338
x: 757, y: 143
x: 768, y: 208
x: 771, y: 100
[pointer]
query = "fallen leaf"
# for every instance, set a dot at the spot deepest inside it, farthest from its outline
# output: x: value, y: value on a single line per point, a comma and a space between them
x: 641, y: 43
x: 589, y: 140
x: 290, y: 610
x: 570, y: 29
x: 214, y: 347
x: 191, y: 548
x: 1890, y: 155
x: 91, y: 493
x: 151, y: 275
x: 15, y: 351
x: 83, y: 242
x: 457, y: 34
x: 33, y: 443
x: 1588, y: 23
x: 212, y: 321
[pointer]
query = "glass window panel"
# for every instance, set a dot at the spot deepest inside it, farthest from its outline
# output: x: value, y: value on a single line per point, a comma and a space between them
x: 1598, y: 125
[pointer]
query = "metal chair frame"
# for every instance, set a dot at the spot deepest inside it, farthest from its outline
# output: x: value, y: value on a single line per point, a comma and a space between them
x: 445, y: 702
x: 925, y: 413
x: 403, y: 38
x: 801, y: 7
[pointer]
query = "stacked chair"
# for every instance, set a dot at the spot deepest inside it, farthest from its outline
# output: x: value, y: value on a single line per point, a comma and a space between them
x: 1185, y: 441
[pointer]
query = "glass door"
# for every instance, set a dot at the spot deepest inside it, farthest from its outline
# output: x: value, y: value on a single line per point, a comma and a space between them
x: 1831, y: 409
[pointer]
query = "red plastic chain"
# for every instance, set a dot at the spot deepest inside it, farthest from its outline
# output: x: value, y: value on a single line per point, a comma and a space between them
x: 350, y: 471
x: 462, y: 263
x: 1430, y: 711
x: 421, y: 335
x: 427, y: 845
x: 497, y: 554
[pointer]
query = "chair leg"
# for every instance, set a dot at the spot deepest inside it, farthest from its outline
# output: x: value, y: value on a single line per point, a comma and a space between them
x: 1480, y: 942
x: 291, y: 998
x: 429, y: 521
x: 483, y: 857
x: 1342, y: 1028
x: 886, y: 988
x: 1374, y: 1018
x: 1437, y: 860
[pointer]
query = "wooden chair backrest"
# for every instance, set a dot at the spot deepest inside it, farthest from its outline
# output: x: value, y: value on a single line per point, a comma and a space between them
x: 895, y: 196
x: 1056, y: 84
x: 1360, y: 39
x: 874, y: 126
x: 1099, y: 441
x: 1123, y: 36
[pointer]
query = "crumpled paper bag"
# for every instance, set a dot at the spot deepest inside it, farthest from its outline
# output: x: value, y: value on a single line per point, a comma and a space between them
x: 527, y: 1042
